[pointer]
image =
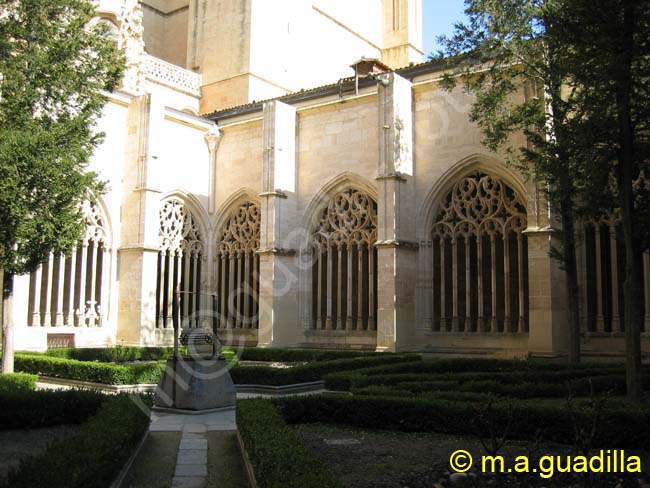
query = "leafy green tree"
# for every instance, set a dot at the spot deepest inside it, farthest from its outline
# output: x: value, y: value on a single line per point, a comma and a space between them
x: 608, y: 42
x: 518, y: 78
x: 54, y: 66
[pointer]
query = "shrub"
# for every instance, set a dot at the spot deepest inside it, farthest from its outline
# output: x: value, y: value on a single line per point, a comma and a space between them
x: 540, y: 379
x: 278, y: 456
x: 117, y: 354
x: 111, y: 374
x: 11, y: 383
x: 32, y: 409
x: 94, y: 457
x: 619, y: 428
x: 263, y: 375
x: 300, y: 355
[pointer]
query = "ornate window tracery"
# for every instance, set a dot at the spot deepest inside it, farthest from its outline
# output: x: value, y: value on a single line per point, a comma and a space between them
x: 179, y: 266
x: 238, y: 269
x: 480, y: 258
x: 344, y: 281
x: 73, y: 290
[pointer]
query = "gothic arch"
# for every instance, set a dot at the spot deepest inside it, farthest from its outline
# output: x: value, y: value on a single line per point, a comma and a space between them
x: 341, y: 242
x: 475, y: 162
x: 478, y: 254
x: 193, y: 204
x: 237, y: 240
x: 73, y: 290
x: 182, y: 237
x: 222, y: 215
x: 346, y: 180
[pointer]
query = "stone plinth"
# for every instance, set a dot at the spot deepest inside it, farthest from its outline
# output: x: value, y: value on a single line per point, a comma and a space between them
x: 195, y: 384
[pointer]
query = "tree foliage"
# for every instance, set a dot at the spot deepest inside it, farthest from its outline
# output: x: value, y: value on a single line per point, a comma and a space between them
x: 518, y: 78
x: 608, y: 42
x: 54, y: 67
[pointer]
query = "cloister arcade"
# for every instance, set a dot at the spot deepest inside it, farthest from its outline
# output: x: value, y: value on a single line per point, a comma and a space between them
x: 73, y: 290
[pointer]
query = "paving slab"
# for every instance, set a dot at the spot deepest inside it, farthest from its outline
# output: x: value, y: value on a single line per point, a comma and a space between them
x: 192, y: 456
x: 193, y: 444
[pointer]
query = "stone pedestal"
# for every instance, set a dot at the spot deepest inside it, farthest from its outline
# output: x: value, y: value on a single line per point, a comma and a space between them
x: 195, y: 384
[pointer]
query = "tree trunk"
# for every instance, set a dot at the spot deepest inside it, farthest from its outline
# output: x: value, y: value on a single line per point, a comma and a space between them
x: 627, y: 172
x: 7, y: 325
x: 570, y: 271
x: 564, y: 196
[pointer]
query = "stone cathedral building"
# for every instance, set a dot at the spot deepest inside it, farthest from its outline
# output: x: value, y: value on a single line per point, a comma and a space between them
x: 291, y: 172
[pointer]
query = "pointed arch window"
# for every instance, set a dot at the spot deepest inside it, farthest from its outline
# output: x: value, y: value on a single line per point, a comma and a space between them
x: 344, y: 280
x: 480, y: 258
x: 74, y: 290
x: 238, y: 269
x: 178, y: 284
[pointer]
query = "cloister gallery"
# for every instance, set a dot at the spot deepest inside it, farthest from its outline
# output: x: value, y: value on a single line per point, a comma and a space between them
x: 352, y: 207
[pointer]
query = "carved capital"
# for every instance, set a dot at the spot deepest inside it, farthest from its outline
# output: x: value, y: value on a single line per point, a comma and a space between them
x: 212, y: 138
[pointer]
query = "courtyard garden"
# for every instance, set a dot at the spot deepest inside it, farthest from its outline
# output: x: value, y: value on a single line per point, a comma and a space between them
x: 386, y: 420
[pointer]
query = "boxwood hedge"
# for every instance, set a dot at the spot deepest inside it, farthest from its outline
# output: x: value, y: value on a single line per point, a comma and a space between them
x: 112, y: 374
x: 94, y: 457
x: 620, y: 428
x: 32, y: 409
x: 11, y: 383
x: 279, y: 458
x: 263, y: 375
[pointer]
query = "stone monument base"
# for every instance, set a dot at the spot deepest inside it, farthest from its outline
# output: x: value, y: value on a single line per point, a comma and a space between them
x: 195, y: 384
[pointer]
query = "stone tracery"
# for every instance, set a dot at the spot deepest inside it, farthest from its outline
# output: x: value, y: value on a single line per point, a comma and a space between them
x: 344, y: 278
x: 179, y: 265
x: 479, y: 255
x: 238, y: 268
x: 73, y: 290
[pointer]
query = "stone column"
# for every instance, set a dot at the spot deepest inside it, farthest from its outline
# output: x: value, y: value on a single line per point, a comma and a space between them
x: 547, y: 328
x: 278, y: 297
x: 138, y: 253
x: 396, y: 239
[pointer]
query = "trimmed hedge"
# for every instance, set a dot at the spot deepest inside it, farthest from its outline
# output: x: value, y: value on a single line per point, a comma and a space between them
x: 112, y: 374
x: 299, y: 355
x: 14, y: 382
x: 91, y: 459
x: 123, y: 354
x: 126, y: 374
x: 619, y: 428
x: 279, y: 458
x: 527, y: 386
x: 529, y: 379
x: 263, y: 375
x: 117, y: 354
x: 32, y: 409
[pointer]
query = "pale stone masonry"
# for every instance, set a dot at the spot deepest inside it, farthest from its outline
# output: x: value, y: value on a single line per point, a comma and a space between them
x: 351, y: 208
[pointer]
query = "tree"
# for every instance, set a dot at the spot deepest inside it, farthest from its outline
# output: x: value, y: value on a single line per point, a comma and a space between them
x: 608, y: 42
x: 54, y: 66
x: 518, y: 78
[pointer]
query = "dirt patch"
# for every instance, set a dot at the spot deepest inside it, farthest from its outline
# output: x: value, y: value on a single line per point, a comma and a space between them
x: 19, y: 444
x: 386, y: 459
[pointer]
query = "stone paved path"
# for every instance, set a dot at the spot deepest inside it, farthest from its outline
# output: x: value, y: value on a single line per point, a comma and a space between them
x: 192, y: 460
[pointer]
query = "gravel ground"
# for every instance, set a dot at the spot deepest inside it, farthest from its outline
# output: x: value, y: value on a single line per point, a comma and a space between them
x: 386, y: 459
x: 18, y: 444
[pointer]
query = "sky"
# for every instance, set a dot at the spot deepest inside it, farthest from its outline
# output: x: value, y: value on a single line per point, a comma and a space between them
x: 439, y: 17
